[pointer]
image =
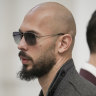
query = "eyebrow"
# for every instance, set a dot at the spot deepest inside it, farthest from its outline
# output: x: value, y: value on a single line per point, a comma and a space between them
x: 30, y: 31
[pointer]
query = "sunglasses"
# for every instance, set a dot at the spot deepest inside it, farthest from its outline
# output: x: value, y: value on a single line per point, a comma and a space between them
x: 30, y: 37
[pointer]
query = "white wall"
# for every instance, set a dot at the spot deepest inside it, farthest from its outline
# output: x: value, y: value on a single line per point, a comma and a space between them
x: 11, y: 15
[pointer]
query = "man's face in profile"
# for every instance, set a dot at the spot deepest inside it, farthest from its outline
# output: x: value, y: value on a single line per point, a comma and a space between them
x: 37, y: 59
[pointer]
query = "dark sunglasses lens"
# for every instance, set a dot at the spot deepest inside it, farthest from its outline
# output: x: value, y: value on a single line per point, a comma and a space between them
x: 30, y: 38
x: 17, y: 37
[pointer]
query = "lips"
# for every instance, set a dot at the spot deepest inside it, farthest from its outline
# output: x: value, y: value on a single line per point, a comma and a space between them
x: 24, y: 60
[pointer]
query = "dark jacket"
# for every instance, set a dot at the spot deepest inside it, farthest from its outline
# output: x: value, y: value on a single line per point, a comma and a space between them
x: 69, y: 83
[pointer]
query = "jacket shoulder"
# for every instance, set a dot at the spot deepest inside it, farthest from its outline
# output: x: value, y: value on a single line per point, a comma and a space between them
x: 74, y: 85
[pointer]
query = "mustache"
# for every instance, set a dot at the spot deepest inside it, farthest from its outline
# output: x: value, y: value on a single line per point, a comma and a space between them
x: 22, y: 53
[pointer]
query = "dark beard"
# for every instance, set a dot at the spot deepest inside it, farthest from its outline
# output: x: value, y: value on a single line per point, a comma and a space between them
x: 43, y: 65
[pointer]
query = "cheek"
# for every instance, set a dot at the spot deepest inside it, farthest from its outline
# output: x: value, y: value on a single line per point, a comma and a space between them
x: 35, y: 51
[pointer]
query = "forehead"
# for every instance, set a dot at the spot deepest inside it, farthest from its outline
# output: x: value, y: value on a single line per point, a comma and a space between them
x: 39, y: 21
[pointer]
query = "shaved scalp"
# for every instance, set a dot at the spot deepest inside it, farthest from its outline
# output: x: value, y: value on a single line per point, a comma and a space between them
x: 56, y: 17
x: 62, y: 17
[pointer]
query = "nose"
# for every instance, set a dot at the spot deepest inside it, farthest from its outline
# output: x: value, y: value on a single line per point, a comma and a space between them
x: 22, y: 45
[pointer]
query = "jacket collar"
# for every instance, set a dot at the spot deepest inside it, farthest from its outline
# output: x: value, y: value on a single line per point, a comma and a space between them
x: 59, y: 76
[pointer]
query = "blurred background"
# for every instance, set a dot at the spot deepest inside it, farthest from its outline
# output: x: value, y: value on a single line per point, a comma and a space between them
x: 12, y: 13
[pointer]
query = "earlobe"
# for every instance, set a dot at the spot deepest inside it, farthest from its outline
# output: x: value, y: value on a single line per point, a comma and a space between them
x: 65, y: 43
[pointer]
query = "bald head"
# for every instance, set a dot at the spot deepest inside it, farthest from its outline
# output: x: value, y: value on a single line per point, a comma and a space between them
x: 53, y: 17
x: 57, y: 16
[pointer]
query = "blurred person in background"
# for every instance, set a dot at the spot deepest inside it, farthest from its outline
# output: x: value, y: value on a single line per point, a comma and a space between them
x: 88, y: 70
x: 45, y: 40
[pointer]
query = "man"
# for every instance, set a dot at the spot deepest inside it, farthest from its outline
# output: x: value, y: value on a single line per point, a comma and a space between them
x: 45, y: 40
x: 88, y: 70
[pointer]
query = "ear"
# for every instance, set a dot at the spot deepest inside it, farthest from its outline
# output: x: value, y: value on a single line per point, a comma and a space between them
x: 64, y: 43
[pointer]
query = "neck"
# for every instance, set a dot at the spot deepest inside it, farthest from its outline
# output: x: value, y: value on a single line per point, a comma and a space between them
x: 47, y: 79
x: 92, y: 59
